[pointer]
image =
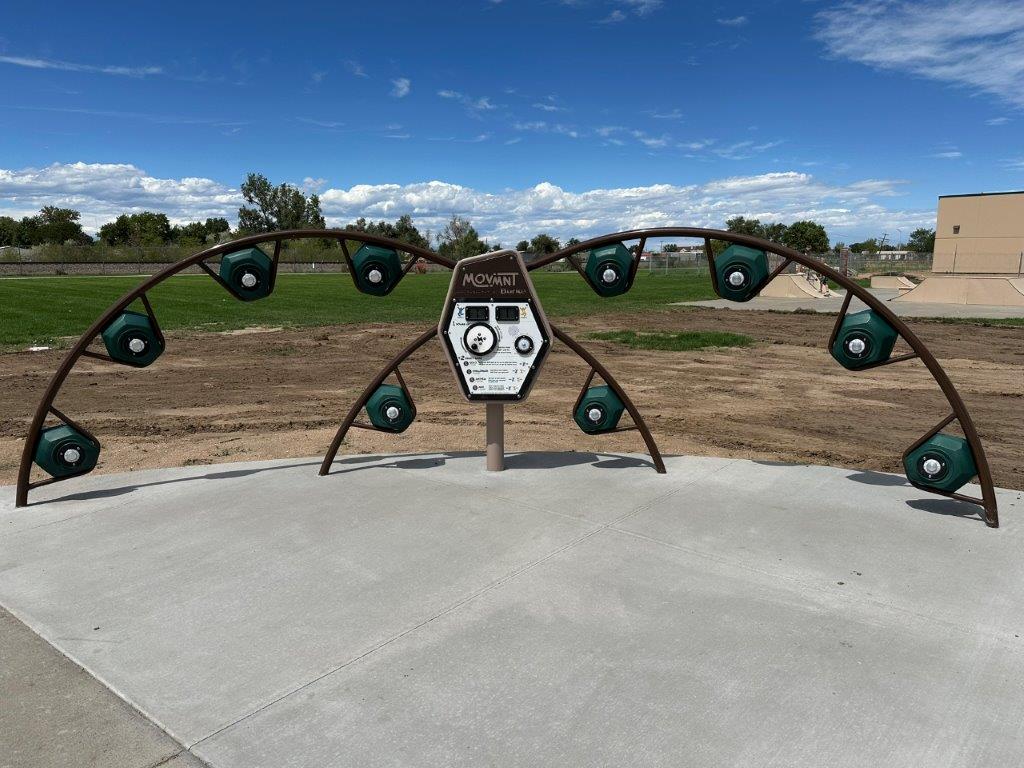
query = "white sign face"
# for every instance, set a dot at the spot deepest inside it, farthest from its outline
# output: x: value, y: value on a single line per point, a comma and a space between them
x: 496, y: 345
x: 494, y: 331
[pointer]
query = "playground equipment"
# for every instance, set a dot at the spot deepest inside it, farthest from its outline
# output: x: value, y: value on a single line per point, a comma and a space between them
x: 496, y: 337
x: 796, y: 286
x: 892, y: 283
x: 992, y: 290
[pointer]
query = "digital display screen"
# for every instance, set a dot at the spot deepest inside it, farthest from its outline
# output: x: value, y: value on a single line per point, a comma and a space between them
x: 507, y: 314
x: 479, y: 314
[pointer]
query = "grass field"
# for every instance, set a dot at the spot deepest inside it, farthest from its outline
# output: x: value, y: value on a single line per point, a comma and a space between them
x: 45, y: 310
x: 683, y: 341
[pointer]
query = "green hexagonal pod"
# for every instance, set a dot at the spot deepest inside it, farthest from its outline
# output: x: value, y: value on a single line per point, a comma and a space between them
x: 248, y: 273
x: 943, y: 462
x: 608, y: 269
x: 741, y: 272
x: 389, y: 409
x: 599, y: 410
x: 63, y: 451
x: 377, y: 270
x: 864, y: 338
x: 131, y: 339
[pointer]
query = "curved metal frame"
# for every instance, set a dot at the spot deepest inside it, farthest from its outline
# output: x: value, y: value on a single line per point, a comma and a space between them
x: 959, y: 410
x: 392, y: 366
x: 80, y: 349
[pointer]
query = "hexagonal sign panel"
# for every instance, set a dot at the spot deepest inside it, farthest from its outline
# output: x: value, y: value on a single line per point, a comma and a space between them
x: 493, y: 328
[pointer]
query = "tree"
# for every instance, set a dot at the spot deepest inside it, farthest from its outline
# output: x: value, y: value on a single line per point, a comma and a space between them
x: 571, y: 242
x: 670, y: 248
x: 868, y: 246
x: 193, y: 232
x: 459, y: 240
x: 59, y: 225
x: 137, y: 229
x: 523, y: 245
x: 806, y: 235
x: 403, y: 230
x: 744, y: 226
x: 543, y: 244
x: 9, y: 231
x: 774, y: 232
x: 277, y: 208
x: 217, y: 226
x: 29, y: 232
x: 922, y: 241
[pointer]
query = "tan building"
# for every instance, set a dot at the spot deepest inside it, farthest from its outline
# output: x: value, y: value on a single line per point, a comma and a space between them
x: 980, y: 234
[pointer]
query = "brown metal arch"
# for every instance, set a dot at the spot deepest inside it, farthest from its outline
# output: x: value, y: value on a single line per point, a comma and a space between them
x: 959, y: 410
x: 79, y: 350
x: 392, y: 367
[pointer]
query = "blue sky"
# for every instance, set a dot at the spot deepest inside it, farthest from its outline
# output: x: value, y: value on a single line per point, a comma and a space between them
x: 571, y: 116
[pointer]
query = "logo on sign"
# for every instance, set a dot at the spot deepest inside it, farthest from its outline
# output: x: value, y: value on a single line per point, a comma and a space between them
x: 489, y: 279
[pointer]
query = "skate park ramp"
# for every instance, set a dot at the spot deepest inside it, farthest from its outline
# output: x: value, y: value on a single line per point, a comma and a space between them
x: 576, y: 609
x: 892, y: 283
x: 793, y: 286
x: 991, y: 290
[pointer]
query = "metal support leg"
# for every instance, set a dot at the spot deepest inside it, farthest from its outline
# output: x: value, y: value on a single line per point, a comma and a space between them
x: 495, y: 437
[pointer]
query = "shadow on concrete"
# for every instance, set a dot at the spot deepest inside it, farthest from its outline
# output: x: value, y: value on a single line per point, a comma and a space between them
x: 950, y: 507
x: 525, y: 460
x: 374, y: 461
x: 107, y: 493
x: 878, y: 478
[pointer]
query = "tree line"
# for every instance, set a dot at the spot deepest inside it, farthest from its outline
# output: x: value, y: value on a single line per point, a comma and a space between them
x: 270, y: 208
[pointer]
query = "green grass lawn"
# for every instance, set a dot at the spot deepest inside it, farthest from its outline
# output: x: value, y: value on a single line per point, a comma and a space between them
x: 42, y: 311
x: 674, y: 342
x: 1012, y: 322
x: 863, y: 282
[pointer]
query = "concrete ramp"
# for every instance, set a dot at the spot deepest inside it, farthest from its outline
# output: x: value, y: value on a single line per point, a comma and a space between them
x: 794, y: 286
x: 992, y: 290
x: 577, y: 609
x: 892, y: 283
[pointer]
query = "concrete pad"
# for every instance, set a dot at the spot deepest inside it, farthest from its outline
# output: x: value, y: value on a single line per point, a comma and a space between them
x: 618, y: 492
x: 625, y: 652
x: 416, y: 611
x: 53, y: 714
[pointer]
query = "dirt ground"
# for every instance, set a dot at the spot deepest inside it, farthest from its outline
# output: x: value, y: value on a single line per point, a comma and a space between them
x: 281, y: 393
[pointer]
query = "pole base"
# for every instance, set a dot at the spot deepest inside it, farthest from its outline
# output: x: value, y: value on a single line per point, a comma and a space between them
x: 495, y: 437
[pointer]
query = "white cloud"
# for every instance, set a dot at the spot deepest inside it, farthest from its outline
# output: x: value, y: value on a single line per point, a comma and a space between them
x: 735, y: 21
x: 949, y: 154
x: 355, y: 68
x: 643, y: 7
x: 741, y: 150
x: 69, y: 66
x: 400, y: 87
x: 328, y: 124
x: 997, y: 121
x: 547, y: 106
x: 651, y: 142
x: 974, y: 44
x: 102, y: 191
x: 474, y: 106
x: 542, y: 126
x: 613, y: 18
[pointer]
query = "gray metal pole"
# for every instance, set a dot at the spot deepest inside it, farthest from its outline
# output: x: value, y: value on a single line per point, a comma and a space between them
x: 495, y: 437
